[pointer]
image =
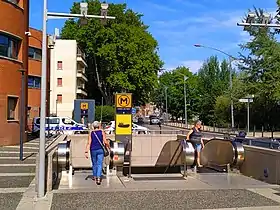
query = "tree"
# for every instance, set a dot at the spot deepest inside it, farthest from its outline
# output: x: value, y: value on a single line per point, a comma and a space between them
x: 213, y: 81
x: 174, y: 82
x: 108, y: 113
x: 262, y: 73
x: 121, y: 55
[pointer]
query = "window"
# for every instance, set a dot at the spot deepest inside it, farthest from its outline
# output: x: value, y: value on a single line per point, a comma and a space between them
x: 12, y: 108
x: 59, y: 65
x: 13, y: 1
x: 34, y: 82
x: 59, y: 82
x: 67, y: 121
x: 35, y: 53
x: 49, y: 121
x: 9, y: 46
x: 59, y: 98
x: 28, y: 111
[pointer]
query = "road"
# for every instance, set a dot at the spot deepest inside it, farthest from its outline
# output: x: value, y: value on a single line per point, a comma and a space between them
x: 169, y: 129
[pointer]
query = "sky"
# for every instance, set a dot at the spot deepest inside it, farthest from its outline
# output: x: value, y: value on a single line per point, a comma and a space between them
x: 179, y: 24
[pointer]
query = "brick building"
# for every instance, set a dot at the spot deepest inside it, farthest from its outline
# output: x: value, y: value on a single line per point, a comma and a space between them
x: 13, y: 63
x: 34, y: 76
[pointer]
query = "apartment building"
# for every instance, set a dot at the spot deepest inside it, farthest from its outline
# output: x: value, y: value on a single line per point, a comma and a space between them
x: 14, y: 24
x: 67, y: 77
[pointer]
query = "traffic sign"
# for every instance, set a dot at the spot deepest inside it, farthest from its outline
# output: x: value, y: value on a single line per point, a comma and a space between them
x: 133, y: 111
x: 123, y: 100
x: 246, y: 100
x: 84, y: 106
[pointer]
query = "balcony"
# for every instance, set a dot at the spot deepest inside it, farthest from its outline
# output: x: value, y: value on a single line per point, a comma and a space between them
x: 81, y: 90
x: 81, y: 57
x: 81, y: 74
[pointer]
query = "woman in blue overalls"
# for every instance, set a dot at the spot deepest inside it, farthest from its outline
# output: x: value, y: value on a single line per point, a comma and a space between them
x: 195, y: 136
x: 95, y: 139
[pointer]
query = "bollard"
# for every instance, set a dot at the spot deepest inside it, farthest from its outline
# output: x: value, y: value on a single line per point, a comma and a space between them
x: 254, y: 132
x: 262, y: 130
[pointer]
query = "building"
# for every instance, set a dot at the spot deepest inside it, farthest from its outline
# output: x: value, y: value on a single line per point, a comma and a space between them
x: 67, y: 77
x: 14, y: 24
x: 34, y: 76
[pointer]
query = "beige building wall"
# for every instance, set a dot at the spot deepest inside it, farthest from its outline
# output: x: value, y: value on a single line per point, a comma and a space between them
x: 67, y: 77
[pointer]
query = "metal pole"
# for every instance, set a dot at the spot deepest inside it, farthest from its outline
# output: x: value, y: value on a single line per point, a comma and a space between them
x: 56, y: 107
x: 185, y: 97
x: 166, y: 103
x: 22, y: 114
x: 101, y: 109
x: 248, y: 116
x: 231, y: 101
x: 41, y: 172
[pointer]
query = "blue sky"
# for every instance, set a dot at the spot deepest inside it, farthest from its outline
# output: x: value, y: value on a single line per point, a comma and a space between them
x: 178, y: 24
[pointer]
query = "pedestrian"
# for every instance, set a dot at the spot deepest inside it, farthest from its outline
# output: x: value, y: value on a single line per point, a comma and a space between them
x: 97, y: 145
x: 195, y: 136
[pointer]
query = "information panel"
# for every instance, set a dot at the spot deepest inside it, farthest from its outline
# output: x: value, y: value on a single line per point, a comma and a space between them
x: 123, y: 124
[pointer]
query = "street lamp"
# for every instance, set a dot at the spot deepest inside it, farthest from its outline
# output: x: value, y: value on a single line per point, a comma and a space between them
x: 185, y: 99
x: 231, y: 59
x: 265, y: 21
x: 166, y: 102
x: 51, y: 15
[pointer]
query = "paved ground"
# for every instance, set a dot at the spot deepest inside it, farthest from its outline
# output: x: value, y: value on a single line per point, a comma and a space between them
x: 15, y: 175
x: 153, y: 191
x: 160, y: 199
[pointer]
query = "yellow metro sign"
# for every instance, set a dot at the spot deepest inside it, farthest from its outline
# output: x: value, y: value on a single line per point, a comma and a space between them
x: 123, y: 100
x: 84, y: 106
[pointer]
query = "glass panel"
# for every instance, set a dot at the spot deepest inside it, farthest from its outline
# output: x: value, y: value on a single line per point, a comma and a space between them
x: 14, y: 49
x: 31, y: 52
x: 52, y: 121
x: 12, y: 104
x: 37, y: 81
x: 13, y: 1
x: 38, y: 54
x: 30, y: 81
x: 59, y: 65
x: 4, y: 45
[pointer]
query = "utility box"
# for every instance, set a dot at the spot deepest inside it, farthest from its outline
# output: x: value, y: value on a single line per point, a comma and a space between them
x: 84, y: 111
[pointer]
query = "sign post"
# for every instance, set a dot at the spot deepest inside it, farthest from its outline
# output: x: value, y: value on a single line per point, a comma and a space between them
x: 123, y: 116
x: 248, y: 100
x: 123, y: 124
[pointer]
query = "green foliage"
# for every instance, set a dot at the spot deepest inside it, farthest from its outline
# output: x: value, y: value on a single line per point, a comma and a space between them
x: 174, y: 82
x: 121, y: 55
x: 213, y: 81
x: 108, y: 113
x: 261, y: 73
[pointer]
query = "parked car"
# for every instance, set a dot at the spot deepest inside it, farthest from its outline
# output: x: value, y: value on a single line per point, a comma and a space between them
x: 53, y: 125
x: 110, y: 128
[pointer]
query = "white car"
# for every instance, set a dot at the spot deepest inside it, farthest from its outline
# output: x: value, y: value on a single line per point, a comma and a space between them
x: 139, y: 129
x: 110, y: 128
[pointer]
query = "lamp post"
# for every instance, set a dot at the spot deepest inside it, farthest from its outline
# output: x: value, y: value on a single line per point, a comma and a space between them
x: 22, y: 114
x: 231, y: 59
x: 185, y: 99
x: 51, y: 15
x: 166, y: 102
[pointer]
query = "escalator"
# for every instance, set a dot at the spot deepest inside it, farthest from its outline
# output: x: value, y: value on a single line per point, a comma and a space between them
x: 221, y: 156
